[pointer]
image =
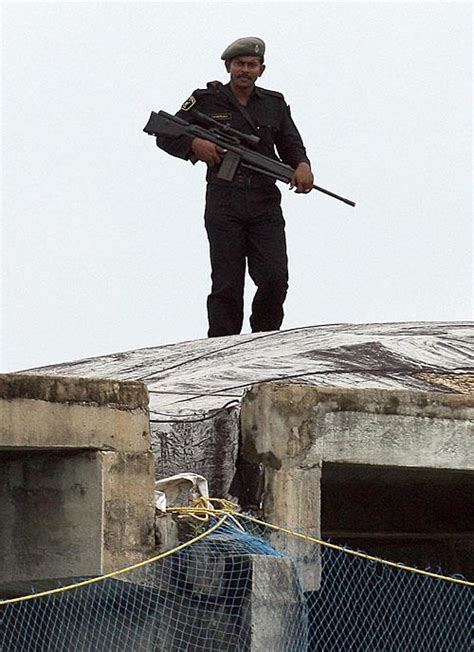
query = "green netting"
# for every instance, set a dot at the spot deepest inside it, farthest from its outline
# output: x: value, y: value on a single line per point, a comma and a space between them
x: 232, y: 591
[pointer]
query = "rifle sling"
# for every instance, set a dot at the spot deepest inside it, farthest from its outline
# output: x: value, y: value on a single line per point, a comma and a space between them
x: 231, y: 97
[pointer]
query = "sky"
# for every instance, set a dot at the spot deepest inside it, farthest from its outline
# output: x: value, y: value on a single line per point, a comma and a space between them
x: 103, y: 247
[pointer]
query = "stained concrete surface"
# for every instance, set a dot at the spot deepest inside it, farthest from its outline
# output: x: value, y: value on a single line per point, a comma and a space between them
x: 77, y: 482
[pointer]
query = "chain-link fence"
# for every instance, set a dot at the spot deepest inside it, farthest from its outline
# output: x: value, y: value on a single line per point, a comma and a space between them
x: 228, y: 589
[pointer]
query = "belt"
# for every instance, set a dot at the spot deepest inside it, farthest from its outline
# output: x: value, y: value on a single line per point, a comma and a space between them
x: 243, y: 180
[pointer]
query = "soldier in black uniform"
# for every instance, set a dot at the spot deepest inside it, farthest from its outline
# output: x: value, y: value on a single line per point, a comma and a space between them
x: 243, y: 217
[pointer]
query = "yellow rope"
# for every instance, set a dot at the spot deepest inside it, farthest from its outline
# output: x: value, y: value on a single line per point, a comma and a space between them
x: 228, y: 506
x: 204, y: 508
x: 202, y: 511
x: 140, y: 564
x: 355, y: 553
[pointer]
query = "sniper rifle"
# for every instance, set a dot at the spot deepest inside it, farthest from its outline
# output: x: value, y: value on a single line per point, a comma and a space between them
x: 234, y: 142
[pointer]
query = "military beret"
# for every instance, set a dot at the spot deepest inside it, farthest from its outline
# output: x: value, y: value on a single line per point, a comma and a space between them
x: 251, y: 46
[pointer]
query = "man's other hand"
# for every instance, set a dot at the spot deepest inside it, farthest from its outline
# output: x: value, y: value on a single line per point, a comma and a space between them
x: 302, y: 178
x: 208, y: 152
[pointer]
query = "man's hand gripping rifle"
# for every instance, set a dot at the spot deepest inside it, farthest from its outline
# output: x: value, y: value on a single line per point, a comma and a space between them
x: 234, y: 142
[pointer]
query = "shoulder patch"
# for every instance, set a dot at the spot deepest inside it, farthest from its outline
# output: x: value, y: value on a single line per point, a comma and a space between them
x: 192, y: 99
x: 190, y: 102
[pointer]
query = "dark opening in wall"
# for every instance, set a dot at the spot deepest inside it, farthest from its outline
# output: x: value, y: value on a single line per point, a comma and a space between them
x: 420, y: 517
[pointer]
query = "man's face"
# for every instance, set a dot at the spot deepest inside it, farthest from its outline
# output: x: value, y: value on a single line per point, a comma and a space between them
x: 244, y: 71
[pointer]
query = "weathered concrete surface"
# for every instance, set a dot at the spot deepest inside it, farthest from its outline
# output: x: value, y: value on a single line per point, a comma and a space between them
x: 393, y: 428
x: 129, y: 509
x: 51, y: 515
x: 56, y: 412
x: 276, y: 611
x: 292, y: 431
x: 70, y: 514
x: 77, y: 482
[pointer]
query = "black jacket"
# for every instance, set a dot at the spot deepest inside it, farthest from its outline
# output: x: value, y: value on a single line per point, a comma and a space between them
x: 266, y: 115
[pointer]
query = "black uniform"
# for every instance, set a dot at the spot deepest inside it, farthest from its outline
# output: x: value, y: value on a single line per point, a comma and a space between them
x: 243, y: 217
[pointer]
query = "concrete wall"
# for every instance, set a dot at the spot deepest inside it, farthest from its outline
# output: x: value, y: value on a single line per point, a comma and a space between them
x: 293, y: 431
x: 77, y: 481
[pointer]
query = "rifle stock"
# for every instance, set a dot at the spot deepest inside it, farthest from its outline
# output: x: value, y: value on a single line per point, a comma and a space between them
x: 237, y: 154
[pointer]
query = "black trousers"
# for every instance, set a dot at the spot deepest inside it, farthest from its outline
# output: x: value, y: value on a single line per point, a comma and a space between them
x: 245, y: 223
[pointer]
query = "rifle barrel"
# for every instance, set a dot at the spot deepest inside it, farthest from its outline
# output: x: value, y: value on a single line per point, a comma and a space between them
x: 333, y: 194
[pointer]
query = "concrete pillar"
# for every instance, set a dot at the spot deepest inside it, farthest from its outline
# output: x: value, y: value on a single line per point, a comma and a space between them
x: 277, y: 617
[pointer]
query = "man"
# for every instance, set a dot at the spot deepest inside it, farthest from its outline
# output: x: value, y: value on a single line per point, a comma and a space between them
x: 243, y: 217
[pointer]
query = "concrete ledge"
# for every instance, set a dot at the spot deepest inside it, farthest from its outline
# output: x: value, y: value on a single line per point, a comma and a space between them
x: 66, y: 413
x: 387, y: 427
x: 128, y: 395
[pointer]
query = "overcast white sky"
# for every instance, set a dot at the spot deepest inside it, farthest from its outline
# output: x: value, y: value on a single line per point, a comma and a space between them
x: 103, y: 243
